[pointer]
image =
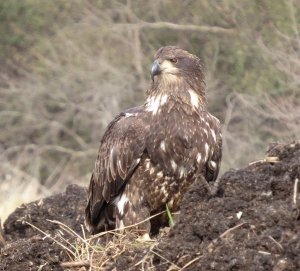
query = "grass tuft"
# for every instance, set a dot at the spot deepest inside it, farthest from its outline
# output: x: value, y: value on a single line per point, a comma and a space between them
x: 170, y: 217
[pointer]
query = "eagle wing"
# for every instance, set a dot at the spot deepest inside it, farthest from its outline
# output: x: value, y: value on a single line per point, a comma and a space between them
x: 121, y: 149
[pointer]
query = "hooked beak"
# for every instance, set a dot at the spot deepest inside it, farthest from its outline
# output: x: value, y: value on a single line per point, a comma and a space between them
x: 155, y: 69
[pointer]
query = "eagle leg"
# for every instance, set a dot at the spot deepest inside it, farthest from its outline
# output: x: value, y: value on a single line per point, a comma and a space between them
x: 132, y: 210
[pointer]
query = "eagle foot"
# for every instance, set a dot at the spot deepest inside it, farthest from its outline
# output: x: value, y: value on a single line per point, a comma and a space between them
x: 145, y: 238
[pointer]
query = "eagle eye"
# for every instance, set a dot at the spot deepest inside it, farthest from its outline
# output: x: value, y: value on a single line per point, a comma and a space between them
x: 173, y: 60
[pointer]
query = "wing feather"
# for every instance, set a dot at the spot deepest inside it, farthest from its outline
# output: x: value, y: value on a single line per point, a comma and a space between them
x: 121, y: 148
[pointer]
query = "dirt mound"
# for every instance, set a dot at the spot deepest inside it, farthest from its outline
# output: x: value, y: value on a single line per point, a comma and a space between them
x: 67, y: 207
x: 27, y: 248
x: 252, y: 223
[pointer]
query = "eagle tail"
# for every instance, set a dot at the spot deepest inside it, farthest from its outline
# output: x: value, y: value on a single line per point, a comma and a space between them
x: 99, y: 214
x: 100, y: 217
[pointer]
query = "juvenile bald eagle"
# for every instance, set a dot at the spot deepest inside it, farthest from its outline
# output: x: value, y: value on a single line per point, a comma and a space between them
x: 149, y: 155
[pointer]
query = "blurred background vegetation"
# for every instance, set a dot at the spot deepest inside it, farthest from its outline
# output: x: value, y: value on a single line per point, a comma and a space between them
x: 67, y: 67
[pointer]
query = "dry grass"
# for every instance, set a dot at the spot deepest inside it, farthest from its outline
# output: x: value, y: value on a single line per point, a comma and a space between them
x: 106, y: 250
x: 101, y: 251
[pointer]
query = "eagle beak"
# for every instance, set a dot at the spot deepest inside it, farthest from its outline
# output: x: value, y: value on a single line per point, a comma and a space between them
x: 155, y: 69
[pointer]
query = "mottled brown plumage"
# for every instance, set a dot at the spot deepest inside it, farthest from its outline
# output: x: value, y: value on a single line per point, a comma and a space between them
x: 149, y: 155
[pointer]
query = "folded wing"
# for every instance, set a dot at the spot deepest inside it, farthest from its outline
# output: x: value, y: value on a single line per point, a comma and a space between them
x: 121, y: 149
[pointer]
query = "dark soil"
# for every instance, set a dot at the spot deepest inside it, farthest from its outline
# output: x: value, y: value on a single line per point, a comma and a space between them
x: 34, y: 253
x: 267, y: 235
x: 66, y: 207
x: 251, y: 224
x: 27, y: 248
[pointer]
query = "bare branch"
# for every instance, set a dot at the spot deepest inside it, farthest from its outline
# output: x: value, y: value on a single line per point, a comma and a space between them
x: 185, y: 27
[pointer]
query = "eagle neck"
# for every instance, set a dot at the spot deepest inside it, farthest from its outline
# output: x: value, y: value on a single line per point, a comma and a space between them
x: 178, y: 91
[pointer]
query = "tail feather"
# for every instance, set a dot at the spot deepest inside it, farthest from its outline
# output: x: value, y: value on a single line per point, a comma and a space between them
x: 100, y: 217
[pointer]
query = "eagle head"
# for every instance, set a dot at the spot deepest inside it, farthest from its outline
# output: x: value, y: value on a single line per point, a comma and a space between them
x: 172, y: 60
x: 174, y: 70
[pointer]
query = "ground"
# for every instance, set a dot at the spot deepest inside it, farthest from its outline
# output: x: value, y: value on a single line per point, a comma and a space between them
x: 252, y: 223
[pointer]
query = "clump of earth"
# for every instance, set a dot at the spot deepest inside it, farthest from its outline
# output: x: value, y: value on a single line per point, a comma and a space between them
x: 251, y: 223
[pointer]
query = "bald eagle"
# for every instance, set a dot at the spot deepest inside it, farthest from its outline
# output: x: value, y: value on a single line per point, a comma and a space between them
x: 149, y: 155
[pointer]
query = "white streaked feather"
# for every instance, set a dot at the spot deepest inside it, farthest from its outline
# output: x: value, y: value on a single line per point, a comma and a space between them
x: 173, y: 164
x: 155, y: 102
x: 182, y: 172
x: 194, y: 98
x: 213, y: 134
x: 121, y: 203
x: 163, y: 145
x: 160, y: 174
x: 163, y: 99
x: 213, y: 164
x: 206, y: 151
x: 198, y: 157
x: 129, y: 115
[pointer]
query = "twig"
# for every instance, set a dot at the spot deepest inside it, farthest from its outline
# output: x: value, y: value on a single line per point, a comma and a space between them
x: 232, y: 229
x: 295, y: 194
x: 75, y: 264
x: 87, y: 245
x: 72, y: 232
x: 42, y: 266
x: 295, y: 207
x: 191, y: 262
x: 49, y: 236
x: 209, y: 247
x: 91, y: 260
x: 277, y: 243
x: 173, y: 264
x: 264, y: 252
x: 268, y: 159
